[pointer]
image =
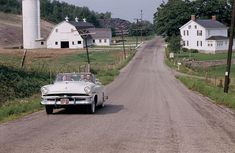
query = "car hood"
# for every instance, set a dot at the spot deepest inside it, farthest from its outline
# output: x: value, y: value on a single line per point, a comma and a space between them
x: 68, y: 87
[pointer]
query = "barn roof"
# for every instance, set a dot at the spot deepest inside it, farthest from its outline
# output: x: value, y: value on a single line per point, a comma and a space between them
x: 81, y: 25
x: 98, y: 33
x: 210, y: 24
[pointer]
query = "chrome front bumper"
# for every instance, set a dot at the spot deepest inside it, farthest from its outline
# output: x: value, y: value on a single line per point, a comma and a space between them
x: 63, y: 101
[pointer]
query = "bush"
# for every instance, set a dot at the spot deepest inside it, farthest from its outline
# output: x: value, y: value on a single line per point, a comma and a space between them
x: 174, y: 44
x: 18, y: 83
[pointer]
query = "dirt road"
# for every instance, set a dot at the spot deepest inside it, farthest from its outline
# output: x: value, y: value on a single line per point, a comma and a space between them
x: 149, y: 111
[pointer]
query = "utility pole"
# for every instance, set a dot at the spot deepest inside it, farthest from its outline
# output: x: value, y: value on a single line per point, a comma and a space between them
x: 87, y: 54
x: 141, y: 20
x: 137, y: 22
x: 123, y: 45
x: 230, y: 50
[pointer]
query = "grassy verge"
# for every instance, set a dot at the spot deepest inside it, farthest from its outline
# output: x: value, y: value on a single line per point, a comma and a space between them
x: 19, y: 108
x: 213, y: 92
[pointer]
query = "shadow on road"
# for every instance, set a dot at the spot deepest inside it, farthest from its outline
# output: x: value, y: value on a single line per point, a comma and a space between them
x: 107, y: 109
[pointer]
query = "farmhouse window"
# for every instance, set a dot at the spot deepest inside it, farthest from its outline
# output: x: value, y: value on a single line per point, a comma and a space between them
x: 187, y: 43
x: 197, y: 43
x: 195, y: 26
x: 189, y: 26
x: 79, y: 42
x: 73, y: 42
x: 187, y: 32
x: 199, y: 32
x: 201, y: 43
x: 105, y: 40
x: 56, y: 43
x: 42, y: 43
x: 184, y: 32
x: 100, y: 40
x: 56, y: 30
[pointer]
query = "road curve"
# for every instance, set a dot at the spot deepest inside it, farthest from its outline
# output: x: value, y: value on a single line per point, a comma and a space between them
x: 149, y: 111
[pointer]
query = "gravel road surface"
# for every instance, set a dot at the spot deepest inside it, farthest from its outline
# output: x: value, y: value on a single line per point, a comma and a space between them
x: 148, y: 111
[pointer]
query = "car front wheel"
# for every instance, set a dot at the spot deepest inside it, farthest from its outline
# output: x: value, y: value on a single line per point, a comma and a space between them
x: 91, y: 108
x: 49, y: 109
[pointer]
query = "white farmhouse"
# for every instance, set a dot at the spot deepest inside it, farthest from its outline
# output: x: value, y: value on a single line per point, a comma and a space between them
x: 72, y: 34
x: 207, y: 36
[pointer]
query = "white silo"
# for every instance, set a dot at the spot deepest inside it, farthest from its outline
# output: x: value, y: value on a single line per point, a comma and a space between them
x: 31, y: 24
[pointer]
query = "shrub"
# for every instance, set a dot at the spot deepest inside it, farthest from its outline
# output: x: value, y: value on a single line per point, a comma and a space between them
x: 19, y: 83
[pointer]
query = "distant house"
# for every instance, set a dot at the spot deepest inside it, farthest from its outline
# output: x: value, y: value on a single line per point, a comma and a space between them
x: 72, y: 34
x: 101, y: 36
x: 207, y: 36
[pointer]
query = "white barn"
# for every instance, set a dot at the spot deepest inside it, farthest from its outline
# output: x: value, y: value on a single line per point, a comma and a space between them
x: 207, y: 36
x: 70, y: 34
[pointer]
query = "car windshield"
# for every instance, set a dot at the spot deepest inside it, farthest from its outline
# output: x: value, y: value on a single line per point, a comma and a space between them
x: 74, y: 77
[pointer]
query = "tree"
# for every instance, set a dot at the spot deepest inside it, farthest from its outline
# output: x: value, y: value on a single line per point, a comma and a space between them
x: 171, y: 16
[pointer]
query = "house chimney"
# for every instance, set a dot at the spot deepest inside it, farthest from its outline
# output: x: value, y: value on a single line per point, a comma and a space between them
x: 193, y: 17
x: 213, y: 18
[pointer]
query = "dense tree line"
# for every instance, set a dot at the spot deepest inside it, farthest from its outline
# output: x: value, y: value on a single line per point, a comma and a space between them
x: 144, y: 28
x: 170, y: 16
x: 56, y: 11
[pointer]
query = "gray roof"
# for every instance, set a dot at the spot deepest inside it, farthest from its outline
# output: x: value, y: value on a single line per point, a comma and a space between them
x: 217, y: 38
x: 81, y: 25
x: 210, y: 24
x: 100, y: 32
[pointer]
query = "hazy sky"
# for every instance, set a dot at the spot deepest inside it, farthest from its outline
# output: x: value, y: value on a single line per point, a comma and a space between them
x: 125, y: 9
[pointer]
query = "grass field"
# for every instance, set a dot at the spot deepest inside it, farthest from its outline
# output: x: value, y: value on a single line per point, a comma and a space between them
x: 202, y: 57
x: 206, y: 88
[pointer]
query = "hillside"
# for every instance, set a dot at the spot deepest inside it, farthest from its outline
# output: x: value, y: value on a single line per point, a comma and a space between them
x: 11, y: 30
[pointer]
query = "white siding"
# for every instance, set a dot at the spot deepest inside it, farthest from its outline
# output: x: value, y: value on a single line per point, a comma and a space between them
x: 102, y: 42
x: 189, y: 34
x: 65, y: 32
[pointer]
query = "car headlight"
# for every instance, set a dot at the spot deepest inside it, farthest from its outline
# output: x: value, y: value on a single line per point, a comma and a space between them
x: 87, y: 89
x: 44, y: 90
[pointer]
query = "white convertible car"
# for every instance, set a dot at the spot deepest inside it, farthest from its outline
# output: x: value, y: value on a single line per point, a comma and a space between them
x: 71, y: 89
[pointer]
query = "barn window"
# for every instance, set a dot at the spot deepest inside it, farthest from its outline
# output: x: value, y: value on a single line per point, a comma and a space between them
x: 187, y: 32
x: 42, y: 43
x: 56, y: 43
x: 105, y: 40
x: 79, y: 42
x: 189, y: 26
x: 93, y: 40
x: 56, y: 30
x: 184, y: 32
x: 195, y: 26
x: 100, y: 40
x: 73, y: 42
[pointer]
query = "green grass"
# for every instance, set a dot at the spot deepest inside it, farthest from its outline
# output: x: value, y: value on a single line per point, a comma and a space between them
x: 18, y: 108
x: 213, y: 92
x: 202, y: 57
